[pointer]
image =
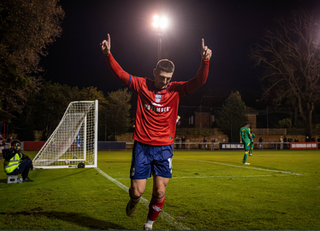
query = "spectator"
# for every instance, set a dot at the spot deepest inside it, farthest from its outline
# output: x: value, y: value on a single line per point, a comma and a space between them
x: 183, y: 141
x: 307, y: 139
x: 313, y: 139
x: 318, y: 140
x: 212, y: 143
x: 260, y: 142
x: 16, y: 162
x: 296, y: 139
x: 177, y: 142
x: 2, y: 140
x: 281, y: 142
x: 285, y: 140
x: 9, y: 140
x: 289, y: 141
x: 204, y: 142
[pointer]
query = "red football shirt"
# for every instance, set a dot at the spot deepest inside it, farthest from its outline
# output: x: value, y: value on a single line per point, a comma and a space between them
x: 157, y: 109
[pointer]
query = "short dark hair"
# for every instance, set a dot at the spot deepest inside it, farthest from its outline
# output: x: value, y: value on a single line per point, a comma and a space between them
x: 165, y: 65
x: 247, y: 123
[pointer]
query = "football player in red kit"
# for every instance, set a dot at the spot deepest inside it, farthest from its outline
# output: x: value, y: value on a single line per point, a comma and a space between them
x: 155, y: 125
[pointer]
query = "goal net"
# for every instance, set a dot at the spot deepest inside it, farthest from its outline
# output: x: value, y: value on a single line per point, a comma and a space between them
x: 74, y: 142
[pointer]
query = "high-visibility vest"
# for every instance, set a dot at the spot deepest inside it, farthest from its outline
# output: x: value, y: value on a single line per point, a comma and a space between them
x: 12, y: 164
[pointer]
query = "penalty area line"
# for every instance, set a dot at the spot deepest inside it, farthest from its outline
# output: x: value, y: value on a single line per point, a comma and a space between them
x: 145, y: 202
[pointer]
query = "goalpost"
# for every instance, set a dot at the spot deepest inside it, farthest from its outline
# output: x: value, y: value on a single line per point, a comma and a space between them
x: 74, y: 143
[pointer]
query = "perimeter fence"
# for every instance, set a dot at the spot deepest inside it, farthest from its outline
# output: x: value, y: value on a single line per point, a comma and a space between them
x: 191, y: 146
x: 187, y: 146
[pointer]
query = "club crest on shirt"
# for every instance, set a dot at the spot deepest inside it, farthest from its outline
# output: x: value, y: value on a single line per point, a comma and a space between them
x: 158, y: 98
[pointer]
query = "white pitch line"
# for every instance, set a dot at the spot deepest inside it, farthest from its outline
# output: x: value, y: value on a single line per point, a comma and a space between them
x: 240, y: 166
x: 145, y: 202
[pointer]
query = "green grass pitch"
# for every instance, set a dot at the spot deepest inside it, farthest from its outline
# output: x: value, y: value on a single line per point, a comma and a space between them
x: 213, y: 190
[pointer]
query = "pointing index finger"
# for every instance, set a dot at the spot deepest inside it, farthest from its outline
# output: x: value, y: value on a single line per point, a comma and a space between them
x: 202, y: 43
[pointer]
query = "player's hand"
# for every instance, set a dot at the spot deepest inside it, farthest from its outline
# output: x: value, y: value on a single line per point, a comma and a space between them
x: 106, y: 45
x: 205, y: 51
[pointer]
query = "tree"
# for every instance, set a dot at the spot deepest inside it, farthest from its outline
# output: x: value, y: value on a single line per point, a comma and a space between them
x: 285, y: 123
x: 290, y: 56
x: 232, y: 116
x: 50, y: 105
x: 118, y: 112
x: 54, y: 99
x: 27, y: 28
x: 44, y: 110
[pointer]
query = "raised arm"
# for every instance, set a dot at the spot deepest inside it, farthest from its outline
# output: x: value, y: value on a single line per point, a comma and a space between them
x: 201, y: 77
x: 115, y: 68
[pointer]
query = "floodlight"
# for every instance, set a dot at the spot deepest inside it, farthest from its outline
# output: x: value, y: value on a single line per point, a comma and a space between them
x: 159, y: 22
x: 163, y: 22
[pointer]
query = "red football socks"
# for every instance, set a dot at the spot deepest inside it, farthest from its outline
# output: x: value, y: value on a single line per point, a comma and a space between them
x: 155, y: 207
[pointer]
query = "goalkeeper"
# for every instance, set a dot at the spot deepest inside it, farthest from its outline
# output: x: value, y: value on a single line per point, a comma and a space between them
x: 251, y: 142
x: 156, y: 116
x: 246, y: 139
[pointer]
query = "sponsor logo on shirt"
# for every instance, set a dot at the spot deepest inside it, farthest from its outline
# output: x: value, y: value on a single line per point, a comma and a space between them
x: 156, y: 109
x: 156, y: 104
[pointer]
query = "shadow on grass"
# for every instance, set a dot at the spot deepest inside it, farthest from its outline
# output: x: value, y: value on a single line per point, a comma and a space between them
x: 3, y: 181
x: 37, y: 172
x: 71, y: 174
x: 76, y: 218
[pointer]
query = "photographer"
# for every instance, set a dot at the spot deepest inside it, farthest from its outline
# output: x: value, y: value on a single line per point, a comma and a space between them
x: 16, y: 162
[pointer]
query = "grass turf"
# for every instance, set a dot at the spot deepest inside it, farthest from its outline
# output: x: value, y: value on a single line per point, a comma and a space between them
x: 209, y: 190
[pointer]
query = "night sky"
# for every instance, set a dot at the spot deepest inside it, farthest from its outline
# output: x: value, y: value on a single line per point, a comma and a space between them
x: 229, y: 28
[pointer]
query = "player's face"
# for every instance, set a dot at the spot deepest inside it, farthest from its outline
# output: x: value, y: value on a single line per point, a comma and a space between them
x: 162, y: 79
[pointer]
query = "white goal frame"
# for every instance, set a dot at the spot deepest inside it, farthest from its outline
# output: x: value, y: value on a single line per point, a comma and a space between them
x: 74, y: 141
